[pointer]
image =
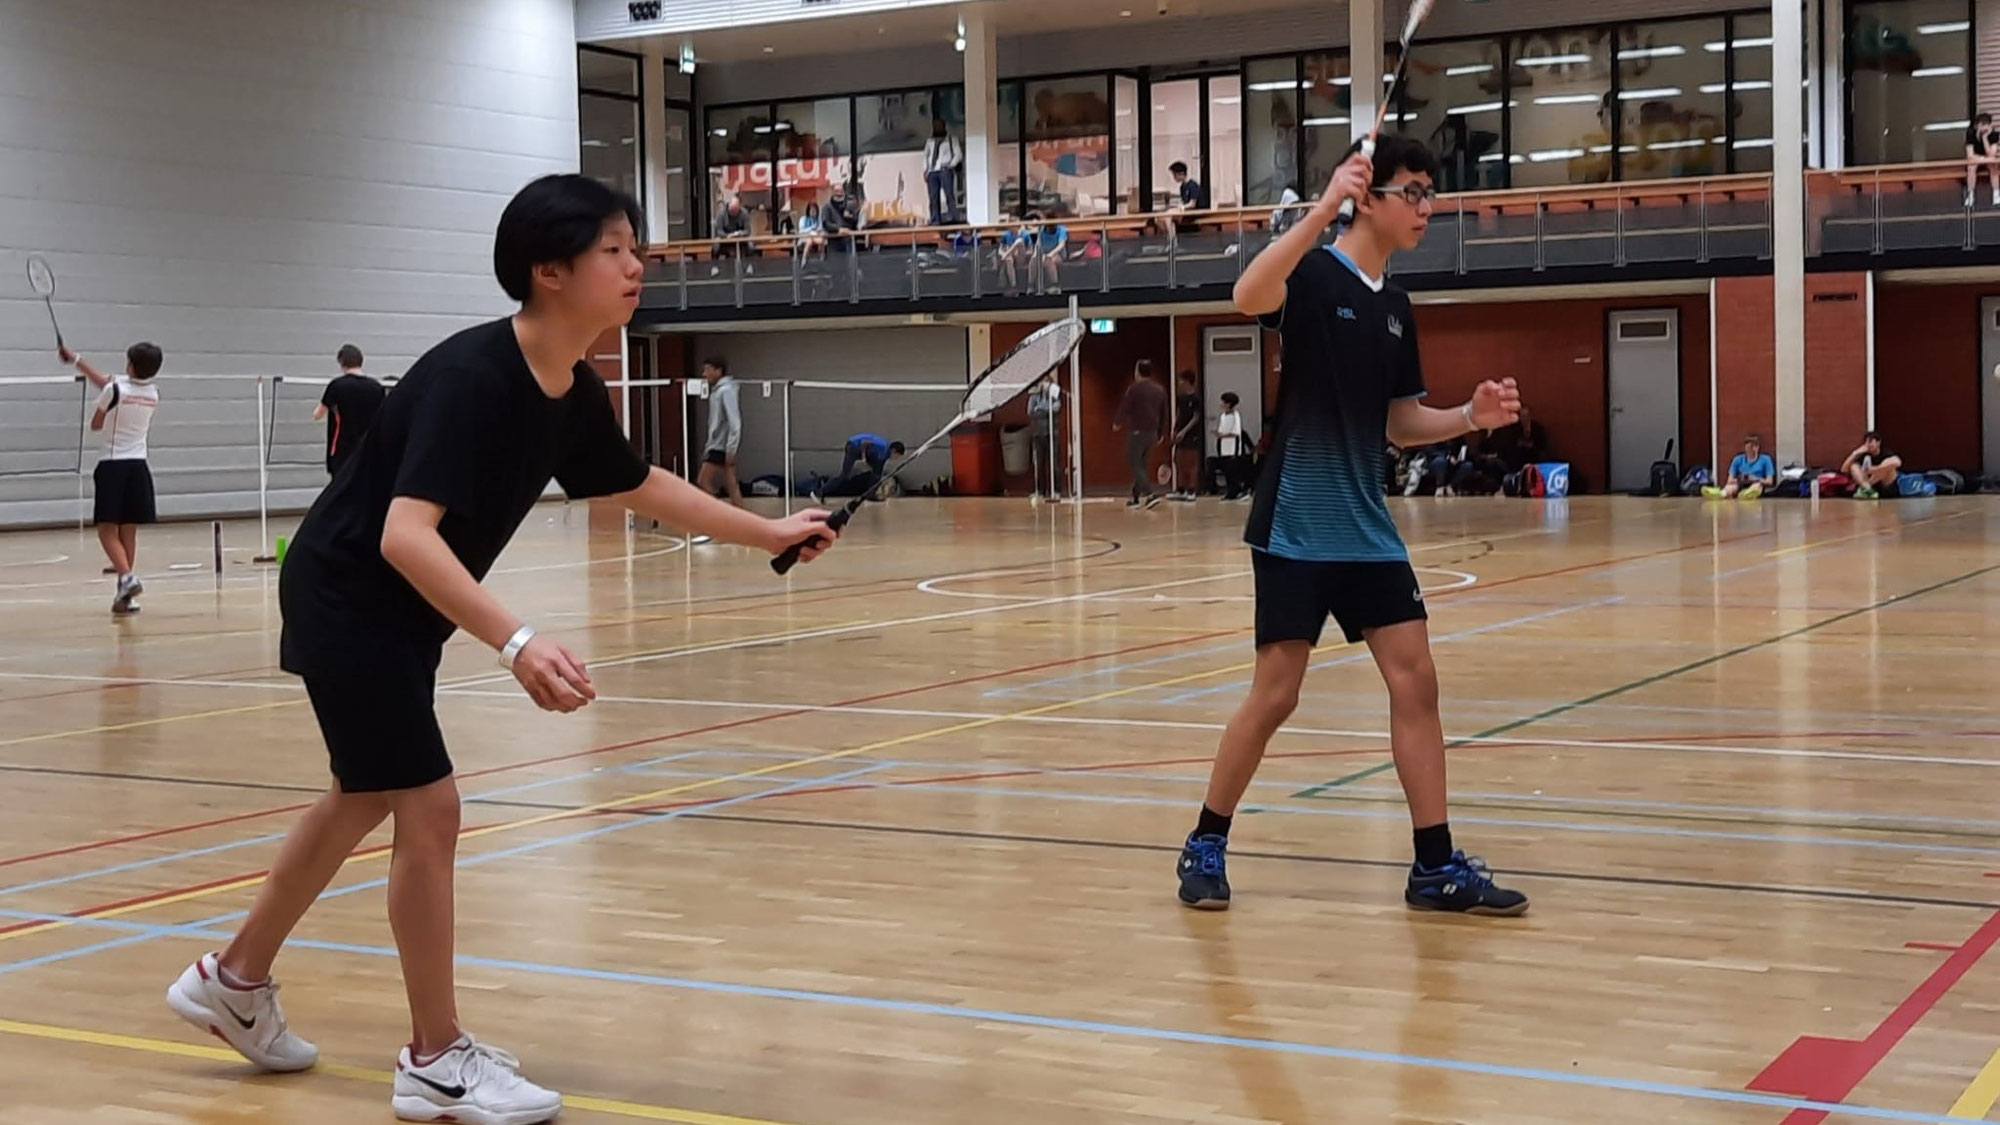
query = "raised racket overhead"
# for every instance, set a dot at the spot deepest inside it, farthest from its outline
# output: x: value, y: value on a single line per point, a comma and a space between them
x: 1419, y: 10
x: 42, y: 279
x: 1043, y: 351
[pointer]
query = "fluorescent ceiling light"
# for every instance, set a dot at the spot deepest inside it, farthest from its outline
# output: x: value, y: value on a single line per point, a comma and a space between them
x: 1654, y: 92
x: 1470, y: 68
x: 1277, y: 85
x: 1947, y: 126
x: 1693, y: 142
x: 1326, y: 121
x: 1553, y: 60
x: 1754, y: 142
x: 1667, y: 52
x: 1943, y: 28
x: 1482, y: 107
x: 1567, y: 99
x: 1936, y: 71
x: 1555, y: 154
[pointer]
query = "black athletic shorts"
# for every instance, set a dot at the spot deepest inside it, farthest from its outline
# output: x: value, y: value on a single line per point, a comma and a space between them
x: 124, y: 492
x: 379, y: 719
x: 716, y: 457
x: 1295, y: 598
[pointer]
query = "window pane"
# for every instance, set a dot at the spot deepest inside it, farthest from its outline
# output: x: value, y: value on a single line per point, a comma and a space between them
x: 1452, y: 102
x: 1561, y: 89
x: 1126, y: 130
x: 739, y: 154
x: 898, y: 122
x: 680, y: 158
x: 610, y: 74
x: 1270, y: 116
x: 1328, y: 122
x: 1225, y: 140
x: 678, y: 87
x: 1068, y: 129
x: 1176, y: 138
x: 1750, y: 100
x: 609, y: 132
x: 1910, y: 59
x: 812, y: 149
x: 1010, y: 113
x: 1671, y: 100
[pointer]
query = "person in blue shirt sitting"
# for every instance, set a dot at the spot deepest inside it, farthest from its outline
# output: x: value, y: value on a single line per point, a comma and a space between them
x: 1750, y: 473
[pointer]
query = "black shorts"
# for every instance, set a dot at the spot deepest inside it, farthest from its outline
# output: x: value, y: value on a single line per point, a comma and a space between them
x: 379, y: 720
x: 716, y: 457
x: 1295, y: 598
x: 124, y: 492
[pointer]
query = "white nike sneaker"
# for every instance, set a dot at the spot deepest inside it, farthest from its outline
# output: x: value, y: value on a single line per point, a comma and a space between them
x: 472, y: 1083
x: 248, y: 1019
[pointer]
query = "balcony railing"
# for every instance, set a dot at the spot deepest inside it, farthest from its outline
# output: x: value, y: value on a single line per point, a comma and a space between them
x: 1900, y: 208
x: 1695, y: 221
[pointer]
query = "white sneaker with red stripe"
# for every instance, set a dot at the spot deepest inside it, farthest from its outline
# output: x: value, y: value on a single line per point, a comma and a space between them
x: 248, y: 1019
x: 470, y: 1083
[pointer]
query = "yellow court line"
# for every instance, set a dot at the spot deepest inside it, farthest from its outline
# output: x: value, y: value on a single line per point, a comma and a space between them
x: 112, y: 728
x: 1877, y: 533
x: 1978, y: 1098
x: 660, y: 794
x: 359, y: 1073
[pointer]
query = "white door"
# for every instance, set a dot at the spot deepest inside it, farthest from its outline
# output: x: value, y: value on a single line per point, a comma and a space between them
x: 1232, y: 359
x: 1644, y: 372
x: 1989, y: 385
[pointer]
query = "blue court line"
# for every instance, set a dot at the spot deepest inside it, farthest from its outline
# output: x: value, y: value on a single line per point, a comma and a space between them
x: 1001, y: 1017
x: 1364, y: 654
x: 194, y: 853
x: 466, y: 861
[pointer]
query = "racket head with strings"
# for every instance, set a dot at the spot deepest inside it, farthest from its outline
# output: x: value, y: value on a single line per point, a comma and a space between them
x: 42, y: 279
x: 1024, y: 365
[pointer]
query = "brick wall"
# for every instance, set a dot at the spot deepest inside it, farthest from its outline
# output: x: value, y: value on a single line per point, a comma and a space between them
x: 1836, y: 365
x: 1745, y: 364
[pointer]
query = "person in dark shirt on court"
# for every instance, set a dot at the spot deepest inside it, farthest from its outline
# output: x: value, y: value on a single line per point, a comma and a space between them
x: 348, y: 407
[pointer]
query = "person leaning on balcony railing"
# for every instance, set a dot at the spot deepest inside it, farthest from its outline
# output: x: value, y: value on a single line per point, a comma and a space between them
x: 732, y: 233
x: 1982, y: 149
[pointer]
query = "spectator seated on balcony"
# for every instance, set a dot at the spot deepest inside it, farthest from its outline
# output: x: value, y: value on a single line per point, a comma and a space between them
x: 811, y: 239
x: 1031, y: 243
x: 732, y: 233
x: 1287, y: 212
x: 840, y: 218
x: 1982, y: 150
x: 1193, y: 196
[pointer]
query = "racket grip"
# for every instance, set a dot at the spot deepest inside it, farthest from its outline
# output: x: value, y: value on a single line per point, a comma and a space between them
x: 790, y: 558
x: 1347, y: 205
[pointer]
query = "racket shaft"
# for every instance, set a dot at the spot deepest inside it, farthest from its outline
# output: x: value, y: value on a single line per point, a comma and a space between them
x: 790, y: 557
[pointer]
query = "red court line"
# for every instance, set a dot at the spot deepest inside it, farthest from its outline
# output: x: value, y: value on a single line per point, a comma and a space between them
x: 110, y: 687
x: 689, y: 732
x: 1827, y: 1070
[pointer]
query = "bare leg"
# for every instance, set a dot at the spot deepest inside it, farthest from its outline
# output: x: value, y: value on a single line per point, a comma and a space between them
x: 128, y: 537
x: 730, y: 482
x: 1416, y: 733
x: 421, y: 909
x: 1274, y: 695
x: 313, y: 852
x: 114, y: 547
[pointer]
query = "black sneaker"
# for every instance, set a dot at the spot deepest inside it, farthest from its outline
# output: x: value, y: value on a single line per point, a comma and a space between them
x: 1462, y: 886
x: 1152, y: 501
x: 1204, y: 882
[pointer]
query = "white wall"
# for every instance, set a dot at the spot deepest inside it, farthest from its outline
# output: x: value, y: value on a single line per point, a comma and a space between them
x: 251, y: 186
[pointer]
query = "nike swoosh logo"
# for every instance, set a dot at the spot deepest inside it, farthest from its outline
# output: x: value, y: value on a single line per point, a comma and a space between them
x: 246, y: 1024
x: 453, y: 1092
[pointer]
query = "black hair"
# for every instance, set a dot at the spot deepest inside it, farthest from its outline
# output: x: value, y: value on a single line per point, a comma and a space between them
x: 144, y: 359
x: 1982, y: 117
x: 717, y: 362
x: 1872, y: 435
x: 1229, y: 398
x: 555, y: 219
x: 1395, y: 152
x: 348, y: 356
x: 895, y: 448
x: 1178, y: 167
x: 1185, y: 376
x: 1143, y: 369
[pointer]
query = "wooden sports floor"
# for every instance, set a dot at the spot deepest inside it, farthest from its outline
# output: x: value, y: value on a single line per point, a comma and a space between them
x: 895, y: 842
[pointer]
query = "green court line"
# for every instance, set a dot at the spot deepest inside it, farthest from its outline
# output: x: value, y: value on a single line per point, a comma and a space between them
x: 1657, y: 677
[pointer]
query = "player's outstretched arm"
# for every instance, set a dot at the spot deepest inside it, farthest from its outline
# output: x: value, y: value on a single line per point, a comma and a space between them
x: 1493, y: 405
x: 673, y: 501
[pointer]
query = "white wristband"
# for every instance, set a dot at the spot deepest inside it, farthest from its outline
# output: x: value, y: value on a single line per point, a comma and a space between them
x: 514, y: 645
x: 1466, y: 410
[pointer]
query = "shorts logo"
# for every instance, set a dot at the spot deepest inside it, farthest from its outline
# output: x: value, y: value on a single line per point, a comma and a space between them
x: 1395, y: 328
x: 1347, y: 313
x: 1416, y: 595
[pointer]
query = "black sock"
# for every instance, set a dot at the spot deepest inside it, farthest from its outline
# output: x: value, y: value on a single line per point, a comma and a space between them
x: 1433, y: 846
x: 1212, y: 823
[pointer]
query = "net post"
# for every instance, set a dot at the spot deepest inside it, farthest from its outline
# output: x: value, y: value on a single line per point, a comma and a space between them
x: 82, y: 437
x: 786, y: 487
x: 1075, y: 415
x: 263, y: 480
x: 1173, y: 406
x: 215, y: 533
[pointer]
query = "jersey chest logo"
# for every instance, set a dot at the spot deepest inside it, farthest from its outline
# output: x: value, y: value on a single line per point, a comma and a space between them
x: 1346, y: 313
x: 1396, y: 327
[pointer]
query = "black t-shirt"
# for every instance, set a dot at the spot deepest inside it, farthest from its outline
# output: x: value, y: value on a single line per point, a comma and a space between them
x: 1187, y: 421
x: 470, y: 429
x: 351, y: 402
x: 1983, y: 141
x: 1350, y: 348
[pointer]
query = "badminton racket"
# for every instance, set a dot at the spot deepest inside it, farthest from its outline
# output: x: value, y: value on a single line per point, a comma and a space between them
x: 42, y: 279
x: 1042, y: 352
x: 1419, y: 9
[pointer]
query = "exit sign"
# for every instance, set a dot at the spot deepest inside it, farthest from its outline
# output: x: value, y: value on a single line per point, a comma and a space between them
x: 1104, y: 327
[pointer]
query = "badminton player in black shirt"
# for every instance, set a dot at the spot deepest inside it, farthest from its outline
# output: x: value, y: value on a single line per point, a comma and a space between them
x: 348, y: 406
x: 388, y: 564
x: 1322, y: 543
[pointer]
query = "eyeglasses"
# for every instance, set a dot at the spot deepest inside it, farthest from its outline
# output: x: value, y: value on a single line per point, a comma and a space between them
x: 1412, y: 193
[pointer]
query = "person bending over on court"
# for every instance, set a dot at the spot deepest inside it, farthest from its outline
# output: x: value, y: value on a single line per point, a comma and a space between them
x: 1872, y: 467
x: 387, y: 565
x: 123, y: 480
x: 1320, y: 535
x: 871, y: 452
x: 348, y: 406
x: 1750, y: 473
x: 725, y: 431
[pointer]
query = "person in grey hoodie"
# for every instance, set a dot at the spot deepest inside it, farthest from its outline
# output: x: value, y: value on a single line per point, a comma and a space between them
x: 725, y: 431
